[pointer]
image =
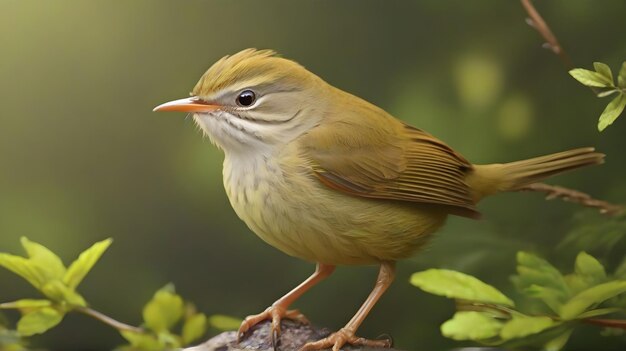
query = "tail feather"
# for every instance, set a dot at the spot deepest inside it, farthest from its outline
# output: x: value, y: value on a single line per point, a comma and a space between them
x: 489, y: 179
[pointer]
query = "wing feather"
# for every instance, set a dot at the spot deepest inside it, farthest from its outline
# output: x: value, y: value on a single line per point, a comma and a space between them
x: 397, y: 162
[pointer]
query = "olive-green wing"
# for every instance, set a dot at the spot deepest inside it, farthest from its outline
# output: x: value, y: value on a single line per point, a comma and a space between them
x: 394, y: 162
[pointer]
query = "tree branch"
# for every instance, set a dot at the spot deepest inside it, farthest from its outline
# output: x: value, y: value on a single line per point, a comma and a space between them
x: 536, y: 21
x: 506, y: 312
x: 574, y: 196
x: 293, y: 336
x: 609, y: 323
x: 108, y: 320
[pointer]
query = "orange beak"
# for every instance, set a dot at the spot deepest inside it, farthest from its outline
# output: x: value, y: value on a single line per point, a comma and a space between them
x: 192, y: 104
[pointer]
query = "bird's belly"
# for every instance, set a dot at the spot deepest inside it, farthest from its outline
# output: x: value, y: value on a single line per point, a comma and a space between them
x: 301, y: 217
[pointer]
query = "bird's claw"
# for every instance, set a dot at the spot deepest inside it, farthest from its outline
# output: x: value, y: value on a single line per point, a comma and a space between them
x: 343, y: 336
x: 275, y: 314
x: 275, y: 336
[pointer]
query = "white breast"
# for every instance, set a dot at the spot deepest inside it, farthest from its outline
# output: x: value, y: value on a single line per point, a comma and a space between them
x: 253, y: 185
x: 277, y: 210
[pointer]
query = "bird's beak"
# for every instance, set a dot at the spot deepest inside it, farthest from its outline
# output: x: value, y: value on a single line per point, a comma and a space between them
x: 192, y: 104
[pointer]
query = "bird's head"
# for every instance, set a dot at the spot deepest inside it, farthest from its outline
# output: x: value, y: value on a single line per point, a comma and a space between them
x: 254, y: 100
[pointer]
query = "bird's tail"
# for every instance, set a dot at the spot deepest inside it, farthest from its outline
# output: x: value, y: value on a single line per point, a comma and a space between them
x: 493, y: 178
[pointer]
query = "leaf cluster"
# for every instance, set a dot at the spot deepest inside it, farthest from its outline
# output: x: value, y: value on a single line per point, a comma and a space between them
x: 602, y: 78
x: 488, y: 316
x: 161, y: 315
x: 45, y: 271
x: 169, y: 322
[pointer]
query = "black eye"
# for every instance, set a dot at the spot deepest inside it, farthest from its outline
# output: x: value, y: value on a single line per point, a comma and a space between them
x: 246, y: 98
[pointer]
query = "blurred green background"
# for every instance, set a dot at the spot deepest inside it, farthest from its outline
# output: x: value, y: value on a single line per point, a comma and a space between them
x: 82, y: 157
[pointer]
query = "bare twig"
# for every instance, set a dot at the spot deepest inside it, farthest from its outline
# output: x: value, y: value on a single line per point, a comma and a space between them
x: 108, y: 320
x: 536, y: 21
x: 575, y: 196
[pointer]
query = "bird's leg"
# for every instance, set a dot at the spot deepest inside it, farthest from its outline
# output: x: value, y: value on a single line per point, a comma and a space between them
x: 346, y: 335
x: 278, y: 310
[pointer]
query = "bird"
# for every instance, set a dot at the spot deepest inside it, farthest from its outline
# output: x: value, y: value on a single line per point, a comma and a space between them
x: 327, y: 177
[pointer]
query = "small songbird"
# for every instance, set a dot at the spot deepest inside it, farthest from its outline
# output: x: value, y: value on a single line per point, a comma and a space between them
x: 330, y: 178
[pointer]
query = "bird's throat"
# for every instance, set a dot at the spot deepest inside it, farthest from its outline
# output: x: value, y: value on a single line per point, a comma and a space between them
x: 232, y: 134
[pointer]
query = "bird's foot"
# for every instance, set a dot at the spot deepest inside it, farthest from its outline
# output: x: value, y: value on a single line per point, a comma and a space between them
x: 275, y: 313
x: 344, y: 336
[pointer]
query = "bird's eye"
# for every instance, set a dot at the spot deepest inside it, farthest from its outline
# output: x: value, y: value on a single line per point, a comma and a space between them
x: 246, y: 98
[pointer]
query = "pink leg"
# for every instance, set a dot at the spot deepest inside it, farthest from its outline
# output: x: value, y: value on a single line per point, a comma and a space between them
x: 278, y: 310
x: 346, y: 335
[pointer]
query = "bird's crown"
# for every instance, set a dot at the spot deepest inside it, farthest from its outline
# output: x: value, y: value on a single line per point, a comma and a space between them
x: 249, y: 68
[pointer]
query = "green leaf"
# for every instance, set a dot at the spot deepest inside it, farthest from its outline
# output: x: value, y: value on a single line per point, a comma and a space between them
x: 587, y: 272
x: 591, y: 297
x: 539, y: 271
x: 621, y: 77
x: 471, y: 325
x: 598, y: 312
x: 457, y: 285
x: 41, y: 266
x: 612, y: 111
x: 86, y: 260
x: 168, y: 340
x: 49, y: 262
x: 195, y: 326
x: 38, y: 321
x: 26, y: 304
x: 521, y: 326
x: 224, y: 323
x: 140, y: 341
x: 590, y: 78
x: 604, y: 70
x: 553, y: 298
x: 587, y: 265
x: 57, y: 291
x: 537, y: 278
x: 164, y: 310
x: 607, y: 93
x: 559, y: 342
x: 23, y: 267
